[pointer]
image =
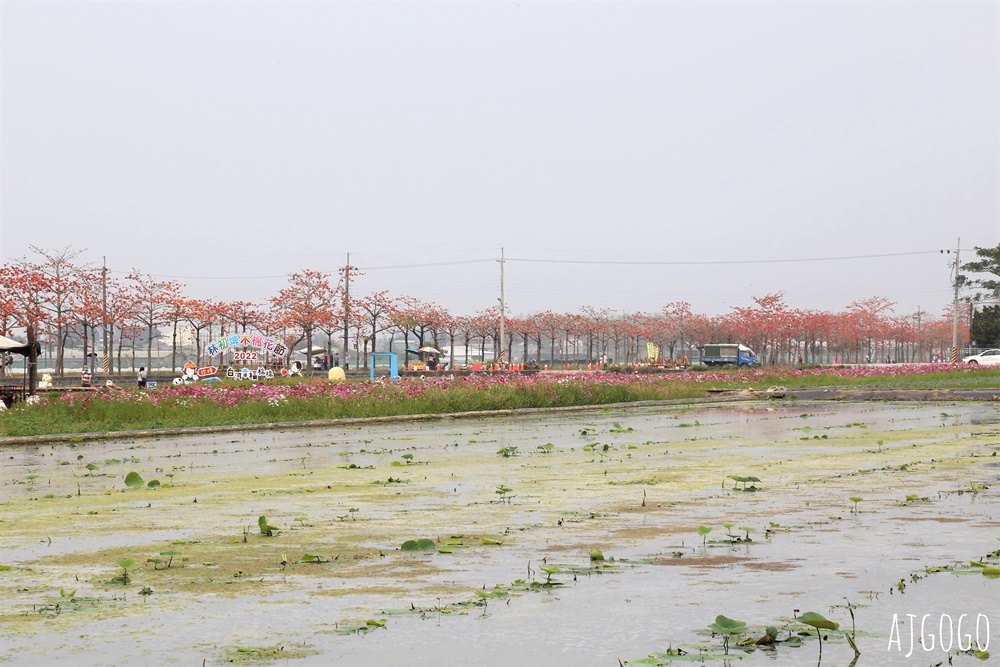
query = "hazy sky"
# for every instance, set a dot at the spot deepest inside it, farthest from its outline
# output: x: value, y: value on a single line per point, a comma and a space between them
x: 227, y: 144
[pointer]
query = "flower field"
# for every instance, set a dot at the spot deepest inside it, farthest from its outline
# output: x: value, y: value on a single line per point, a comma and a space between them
x: 234, y: 403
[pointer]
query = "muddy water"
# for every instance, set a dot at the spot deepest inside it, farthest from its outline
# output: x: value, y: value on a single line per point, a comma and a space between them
x: 636, y: 491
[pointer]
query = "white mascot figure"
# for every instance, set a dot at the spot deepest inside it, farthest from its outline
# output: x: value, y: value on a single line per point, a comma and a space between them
x: 189, y: 374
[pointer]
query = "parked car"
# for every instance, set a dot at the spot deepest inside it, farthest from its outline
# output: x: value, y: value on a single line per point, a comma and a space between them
x: 987, y: 358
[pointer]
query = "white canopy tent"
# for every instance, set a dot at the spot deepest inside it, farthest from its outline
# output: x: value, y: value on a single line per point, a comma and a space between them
x: 316, y: 350
x: 9, y: 345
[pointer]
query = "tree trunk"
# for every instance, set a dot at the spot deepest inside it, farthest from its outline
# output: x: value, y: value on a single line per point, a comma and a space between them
x: 149, y: 344
x: 93, y: 348
x: 309, y: 350
x: 32, y: 360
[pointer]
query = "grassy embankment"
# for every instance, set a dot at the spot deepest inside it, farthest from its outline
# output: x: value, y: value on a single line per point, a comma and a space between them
x: 235, y: 404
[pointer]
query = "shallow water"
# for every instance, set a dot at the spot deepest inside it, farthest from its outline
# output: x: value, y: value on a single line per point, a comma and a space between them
x: 663, y: 474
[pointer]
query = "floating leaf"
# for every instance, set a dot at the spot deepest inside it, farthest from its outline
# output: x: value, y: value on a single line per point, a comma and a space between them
x: 727, y: 626
x: 153, y: 483
x: 423, y: 544
x: 265, y: 528
x: 133, y: 480
x: 817, y: 621
x: 490, y: 542
x: 492, y: 594
x: 991, y: 572
x: 170, y: 555
x: 595, y: 554
x: 313, y: 558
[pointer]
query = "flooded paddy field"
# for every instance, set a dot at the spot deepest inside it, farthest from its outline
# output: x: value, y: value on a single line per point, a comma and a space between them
x: 480, y: 541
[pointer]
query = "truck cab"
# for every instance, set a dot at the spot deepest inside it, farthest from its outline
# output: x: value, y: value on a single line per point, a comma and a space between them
x: 728, y: 354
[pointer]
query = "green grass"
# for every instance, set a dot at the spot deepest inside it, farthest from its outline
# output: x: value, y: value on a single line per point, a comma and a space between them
x: 93, y: 414
x: 961, y: 379
x: 96, y: 416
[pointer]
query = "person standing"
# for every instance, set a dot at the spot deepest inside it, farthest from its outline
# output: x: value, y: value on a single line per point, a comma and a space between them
x: 142, y: 377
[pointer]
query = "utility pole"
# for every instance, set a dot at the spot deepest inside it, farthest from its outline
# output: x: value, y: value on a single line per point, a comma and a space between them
x: 503, y: 316
x: 918, y: 330
x: 954, y: 314
x: 347, y: 307
x: 106, y: 360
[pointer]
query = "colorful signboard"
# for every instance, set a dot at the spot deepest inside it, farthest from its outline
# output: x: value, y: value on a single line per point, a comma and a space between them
x: 260, y: 373
x: 265, y: 343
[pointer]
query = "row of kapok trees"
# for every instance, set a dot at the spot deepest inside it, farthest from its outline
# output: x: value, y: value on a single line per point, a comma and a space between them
x: 867, y: 330
x: 63, y: 304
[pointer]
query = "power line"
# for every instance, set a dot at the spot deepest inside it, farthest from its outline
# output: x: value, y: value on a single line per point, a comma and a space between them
x: 716, y: 262
x: 285, y: 275
x: 424, y: 265
x: 429, y: 264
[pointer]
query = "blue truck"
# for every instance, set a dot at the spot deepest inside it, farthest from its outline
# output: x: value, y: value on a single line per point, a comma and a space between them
x: 727, y: 354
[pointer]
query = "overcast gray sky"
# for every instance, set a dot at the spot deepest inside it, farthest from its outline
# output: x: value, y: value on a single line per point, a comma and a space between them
x: 227, y: 144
